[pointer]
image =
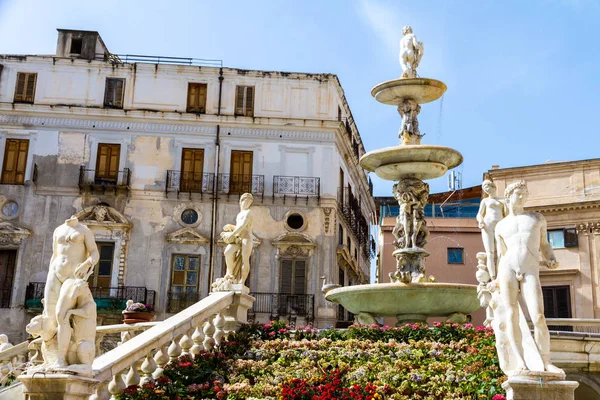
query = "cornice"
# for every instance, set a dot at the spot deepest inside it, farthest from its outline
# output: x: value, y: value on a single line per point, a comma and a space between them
x: 548, y: 208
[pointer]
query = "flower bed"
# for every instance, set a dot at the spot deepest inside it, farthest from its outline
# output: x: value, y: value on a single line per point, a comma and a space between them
x: 446, y: 361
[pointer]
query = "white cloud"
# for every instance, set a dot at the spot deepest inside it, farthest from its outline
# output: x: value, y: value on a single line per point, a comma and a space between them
x: 384, y: 21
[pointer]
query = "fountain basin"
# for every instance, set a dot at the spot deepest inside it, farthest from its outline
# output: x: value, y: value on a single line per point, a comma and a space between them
x: 411, y: 161
x: 413, y: 302
x: 421, y: 90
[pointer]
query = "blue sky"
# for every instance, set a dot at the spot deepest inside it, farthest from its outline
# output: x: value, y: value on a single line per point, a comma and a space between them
x: 522, y: 76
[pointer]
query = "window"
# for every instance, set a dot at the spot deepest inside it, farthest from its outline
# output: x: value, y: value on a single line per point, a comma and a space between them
x: 340, y: 235
x: 339, y: 113
x: 455, y: 255
x: 189, y: 216
x: 184, y: 275
x: 103, y: 270
x: 107, y: 163
x: 196, y: 100
x: 295, y: 221
x: 192, y: 168
x: 76, y: 45
x: 293, y: 277
x: 113, y: 94
x: 8, y: 260
x: 15, y: 161
x: 348, y: 242
x: 557, y: 304
x: 561, y: 238
x: 240, y: 178
x: 244, y: 101
x: 25, y: 89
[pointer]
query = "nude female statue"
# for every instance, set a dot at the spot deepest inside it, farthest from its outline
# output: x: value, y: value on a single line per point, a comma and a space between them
x: 239, y: 242
x: 491, y: 211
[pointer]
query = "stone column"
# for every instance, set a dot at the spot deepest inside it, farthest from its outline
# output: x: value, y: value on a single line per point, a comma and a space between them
x: 584, y: 294
x: 519, y: 388
x: 594, y: 257
x: 42, y: 386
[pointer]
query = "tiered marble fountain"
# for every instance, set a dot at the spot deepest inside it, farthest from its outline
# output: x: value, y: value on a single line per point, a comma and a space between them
x: 410, y: 296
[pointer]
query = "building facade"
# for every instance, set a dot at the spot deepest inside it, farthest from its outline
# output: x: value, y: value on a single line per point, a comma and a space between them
x: 152, y: 153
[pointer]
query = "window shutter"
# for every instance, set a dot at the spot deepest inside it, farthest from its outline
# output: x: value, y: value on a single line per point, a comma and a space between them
x: 25, y: 87
x: 285, y: 286
x: 15, y: 161
x: 30, y: 87
x: 299, y: 277
x: 109, y: 92
x: 249, y: 101
x: 202, y: 98
x: 239, y: 100
x: 571, y: 238
x: 20, y: 89
x: 119, y: 91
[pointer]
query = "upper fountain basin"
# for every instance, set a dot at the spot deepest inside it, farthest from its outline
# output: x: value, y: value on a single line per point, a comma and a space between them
x: 419, y: 161
x: 393, y: 299
x: 421, y: 90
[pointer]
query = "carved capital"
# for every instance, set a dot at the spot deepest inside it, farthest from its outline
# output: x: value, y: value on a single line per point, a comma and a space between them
x: 583, y: 228
x: 595, y: 228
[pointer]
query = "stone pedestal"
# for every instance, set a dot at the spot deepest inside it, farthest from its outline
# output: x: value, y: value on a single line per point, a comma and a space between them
x: 237, y: 313
x: 40, y: 386
x: 539, y: 387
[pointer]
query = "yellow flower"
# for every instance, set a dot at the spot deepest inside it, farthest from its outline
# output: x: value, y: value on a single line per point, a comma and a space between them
x: 158, y: 391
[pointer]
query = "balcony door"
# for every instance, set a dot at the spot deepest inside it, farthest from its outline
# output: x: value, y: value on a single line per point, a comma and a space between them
x: 185, y: 282
x: 192, y: 168
x: 8, y: 259
x: 15, y: 161
x: 107, y: 163
x: 240, y: 178
x: 101, y: 278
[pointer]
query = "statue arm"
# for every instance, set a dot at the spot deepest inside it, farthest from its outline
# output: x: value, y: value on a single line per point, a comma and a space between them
x: 546, y: 247
x: 85, y: 269
x: 500, y: 251
x: 243, y: 224
x: 481, y: 214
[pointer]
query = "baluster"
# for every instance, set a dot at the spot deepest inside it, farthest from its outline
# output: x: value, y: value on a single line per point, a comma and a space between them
x: 186, y: 343
x: 116, y: 385
x: 161, y: 357
x: 174, y: 350
x: 198, y: 338
x: 133, y: 376
x: 101, y: 392
x: 148, y: 368
x: 219, y: 322
x: 209, y: 330
x: 99, y: 338
x: 125, y: 336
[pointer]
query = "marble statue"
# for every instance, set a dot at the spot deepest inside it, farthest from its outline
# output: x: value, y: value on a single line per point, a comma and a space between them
x: 411, y: 52
x: 4, y: 343
x: 521, y: 241
x: 491, y: 211
x: 409, y: 130
x: 68, y: 322
x: 240, y: 243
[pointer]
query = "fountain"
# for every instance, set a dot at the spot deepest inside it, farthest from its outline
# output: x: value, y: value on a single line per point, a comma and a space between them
x: 410, y: 296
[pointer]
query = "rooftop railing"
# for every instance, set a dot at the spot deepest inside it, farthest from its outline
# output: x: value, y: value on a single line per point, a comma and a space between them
x: 139, y: 58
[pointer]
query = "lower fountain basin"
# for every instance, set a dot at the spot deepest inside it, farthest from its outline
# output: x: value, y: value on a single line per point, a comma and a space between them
x: 411, y: 161
x: 407, y: 302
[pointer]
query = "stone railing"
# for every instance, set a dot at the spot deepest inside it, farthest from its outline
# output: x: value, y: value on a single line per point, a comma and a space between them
x: 15, y: 360
x: 200, y: 326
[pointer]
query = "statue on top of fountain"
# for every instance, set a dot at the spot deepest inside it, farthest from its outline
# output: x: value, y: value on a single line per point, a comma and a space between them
x: 411, y: 52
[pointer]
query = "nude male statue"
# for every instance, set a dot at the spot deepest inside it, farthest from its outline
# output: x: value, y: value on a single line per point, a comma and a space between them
x: 411, y: 52
x: 74, y: 255
x: 520, y: 240
x: 239, y: 241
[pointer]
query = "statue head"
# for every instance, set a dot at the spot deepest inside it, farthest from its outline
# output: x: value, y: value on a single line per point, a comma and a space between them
x: 3, y: 339
x: 489, y: 187
x: 406, y: 30
x: 516, y: 193
x: 246, y: 201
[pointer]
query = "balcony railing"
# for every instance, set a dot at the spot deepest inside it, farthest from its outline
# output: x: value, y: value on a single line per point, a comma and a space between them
x: 138, y: 58
x: 88, y: 178
x: 282, y: 304
x: 111, y: 298
x: 351, y: 211
x: 239, y: 184
x: 178, y: 301
x: 189, y: 182
x: 296, y: 186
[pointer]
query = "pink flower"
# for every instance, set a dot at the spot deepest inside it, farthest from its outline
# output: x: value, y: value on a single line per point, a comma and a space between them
x: 499, y: 397
x: 271, y: 333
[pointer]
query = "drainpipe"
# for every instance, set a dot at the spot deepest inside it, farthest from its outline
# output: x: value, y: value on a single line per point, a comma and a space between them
x: 215, y: 198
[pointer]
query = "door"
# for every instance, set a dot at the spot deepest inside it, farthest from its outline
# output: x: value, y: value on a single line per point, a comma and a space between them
x: 185, y: 280
x: 8, y: 260
x: 557, y: 304
x: 292, y: 287
x: 192, y: 168
x: 107, y: 163
x: 101, y: 278
x: 240, y: 178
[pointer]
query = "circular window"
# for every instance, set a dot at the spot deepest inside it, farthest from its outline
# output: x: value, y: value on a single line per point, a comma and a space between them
x: 10, y: 208
x: 189, y: 216
x: 295, y: 221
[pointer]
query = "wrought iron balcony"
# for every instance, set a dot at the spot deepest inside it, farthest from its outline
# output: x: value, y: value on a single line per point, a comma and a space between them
x: 282, y: 304
x: 179, y: 301
x: 240, y: 184
x: 90, y: 179
x: 189, y: 182
x: 351, y: 211
x: 296, y: 186
x: 110, y: 299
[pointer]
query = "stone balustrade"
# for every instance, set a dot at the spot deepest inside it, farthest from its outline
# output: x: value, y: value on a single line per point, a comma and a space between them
x: 200, y: 326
